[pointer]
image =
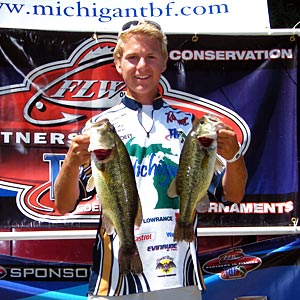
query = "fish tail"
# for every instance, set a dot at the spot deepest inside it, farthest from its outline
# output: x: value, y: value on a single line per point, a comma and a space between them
x: 129, y: 260
x: 184, y: 232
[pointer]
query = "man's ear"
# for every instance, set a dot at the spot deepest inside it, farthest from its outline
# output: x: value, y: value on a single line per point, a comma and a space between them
x: 118, y: 66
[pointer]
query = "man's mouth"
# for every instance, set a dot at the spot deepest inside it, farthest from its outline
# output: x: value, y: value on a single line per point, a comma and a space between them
x: 142, y: 77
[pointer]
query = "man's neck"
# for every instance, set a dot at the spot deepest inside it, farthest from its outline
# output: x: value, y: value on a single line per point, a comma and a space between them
x: 144, y: 99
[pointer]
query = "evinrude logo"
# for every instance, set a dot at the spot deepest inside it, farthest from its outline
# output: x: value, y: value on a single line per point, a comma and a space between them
x: 54, y: 102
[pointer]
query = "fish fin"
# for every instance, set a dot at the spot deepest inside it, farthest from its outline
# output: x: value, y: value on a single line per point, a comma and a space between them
x: 107, y: 224
x: 184, y: 232
x: 219, y: 166
x: 203, y: 205
x: 139, y: 216
x: 90, y: 184
x: 129, y: 260
x: 172, y: 191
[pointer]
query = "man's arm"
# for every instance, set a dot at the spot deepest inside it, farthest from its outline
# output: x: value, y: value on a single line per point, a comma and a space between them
x: 66, y: 187
x: 235, y: 177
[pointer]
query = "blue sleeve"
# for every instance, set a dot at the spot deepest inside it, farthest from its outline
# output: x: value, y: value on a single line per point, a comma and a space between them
x: 84, y: 175
x: 215, y: 190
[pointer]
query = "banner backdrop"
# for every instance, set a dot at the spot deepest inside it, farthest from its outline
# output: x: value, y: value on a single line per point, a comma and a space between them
x: 52, y: 82
x: 109, y: 15
x: 269, y: 269
x: 265, y: 270
x: 32, y: 279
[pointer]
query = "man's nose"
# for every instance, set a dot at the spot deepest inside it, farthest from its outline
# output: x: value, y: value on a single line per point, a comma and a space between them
x: 142, y: 62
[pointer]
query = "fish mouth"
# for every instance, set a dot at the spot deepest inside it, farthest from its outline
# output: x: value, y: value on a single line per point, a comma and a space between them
x: 205, y: 142
x: 102, y: 154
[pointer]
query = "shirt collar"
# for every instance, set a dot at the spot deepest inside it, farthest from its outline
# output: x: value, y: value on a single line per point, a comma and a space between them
x: 134, y: 105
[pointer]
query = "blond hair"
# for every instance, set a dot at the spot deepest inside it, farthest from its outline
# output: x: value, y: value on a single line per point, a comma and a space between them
x: 145, y: 28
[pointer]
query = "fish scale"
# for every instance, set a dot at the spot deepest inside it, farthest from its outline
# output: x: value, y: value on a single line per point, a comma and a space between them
x: 196, y: 167
x: 114, y: 180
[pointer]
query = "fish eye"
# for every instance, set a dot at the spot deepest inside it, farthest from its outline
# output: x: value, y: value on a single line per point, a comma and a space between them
x: 111, y: 129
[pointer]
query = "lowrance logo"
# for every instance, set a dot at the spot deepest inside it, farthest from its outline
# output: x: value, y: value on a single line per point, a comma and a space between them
x: 158, y: 219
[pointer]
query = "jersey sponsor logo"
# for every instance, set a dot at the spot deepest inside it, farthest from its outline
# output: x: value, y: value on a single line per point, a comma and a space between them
x: 234, y: 264
x: 145, y: 237
x: 154, y: 165
x: 158, y: 219
x: 156, y: 161
x: 172, y: 118
x: 165, y: 247
x: 55, y: 101
x: 165, y: 266
x: 174, y: 133
x: 170, y: 234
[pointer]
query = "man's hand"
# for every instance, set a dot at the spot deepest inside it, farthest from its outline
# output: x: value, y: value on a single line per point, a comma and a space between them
x: 227, y: 140
x: 66, y: 186
x: 78, y: 153
x: 235, y: 177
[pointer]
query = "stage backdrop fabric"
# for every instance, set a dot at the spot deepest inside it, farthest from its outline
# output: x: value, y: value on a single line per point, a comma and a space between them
x: 267, y: 269
x: 52, y: 82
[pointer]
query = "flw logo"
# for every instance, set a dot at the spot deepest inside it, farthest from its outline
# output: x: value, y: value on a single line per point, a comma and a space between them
x: 48, y: 109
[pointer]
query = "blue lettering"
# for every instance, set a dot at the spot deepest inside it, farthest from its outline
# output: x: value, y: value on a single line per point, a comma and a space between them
x: 144, y: 171
x: 168, y: 247
x: 55, y: 161
x: 137, y: 169
x: 154, y: 166
x: 174, y: 133
x: 170, y: 234
x: 164, y: 170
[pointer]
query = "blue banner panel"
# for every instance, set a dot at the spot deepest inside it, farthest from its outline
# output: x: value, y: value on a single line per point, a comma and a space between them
x: 269, y: 268
x: 32, y: 279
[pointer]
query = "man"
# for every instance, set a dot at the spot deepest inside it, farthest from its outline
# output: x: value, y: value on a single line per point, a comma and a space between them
x: 141, y: 119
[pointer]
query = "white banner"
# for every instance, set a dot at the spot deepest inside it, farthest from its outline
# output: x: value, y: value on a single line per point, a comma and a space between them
x: 178, y: 16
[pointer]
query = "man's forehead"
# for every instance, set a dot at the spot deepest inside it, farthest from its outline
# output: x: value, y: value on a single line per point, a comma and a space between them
x: 137, y: 43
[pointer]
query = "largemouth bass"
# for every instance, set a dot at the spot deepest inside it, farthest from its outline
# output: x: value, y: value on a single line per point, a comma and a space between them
x: 195, y: 171
x: 114, y: 180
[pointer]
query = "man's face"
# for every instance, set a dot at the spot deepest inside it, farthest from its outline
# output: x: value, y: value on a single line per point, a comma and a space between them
x: 141, y: 66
